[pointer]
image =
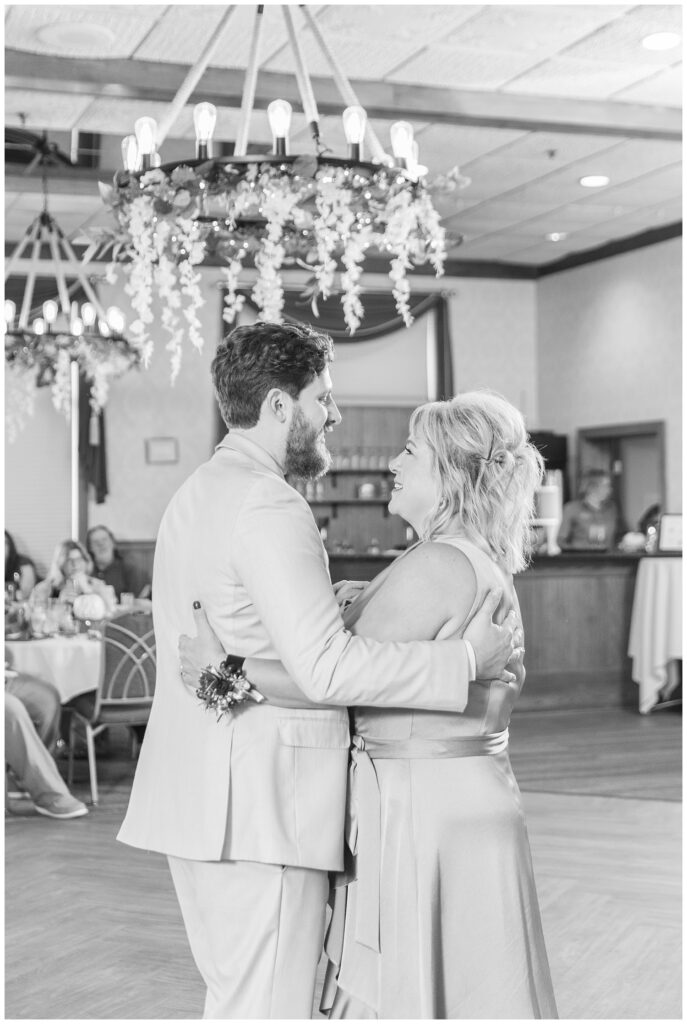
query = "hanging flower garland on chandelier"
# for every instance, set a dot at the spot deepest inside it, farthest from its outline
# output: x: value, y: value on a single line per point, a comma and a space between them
x: 44, y: 340
x: 44, y: 360
x: 306, y: 212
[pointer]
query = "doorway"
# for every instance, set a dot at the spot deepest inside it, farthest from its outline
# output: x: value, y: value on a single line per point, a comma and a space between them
x: 634, y: 455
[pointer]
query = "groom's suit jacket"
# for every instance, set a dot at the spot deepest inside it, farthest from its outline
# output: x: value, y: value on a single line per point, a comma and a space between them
x: 265, y: 783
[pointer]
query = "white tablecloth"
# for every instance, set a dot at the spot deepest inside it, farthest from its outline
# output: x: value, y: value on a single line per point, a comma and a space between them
x: 70, y: 663
x: 656, y: 627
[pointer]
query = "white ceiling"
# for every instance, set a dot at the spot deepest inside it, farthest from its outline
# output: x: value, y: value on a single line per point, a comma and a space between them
x: 526, y: 98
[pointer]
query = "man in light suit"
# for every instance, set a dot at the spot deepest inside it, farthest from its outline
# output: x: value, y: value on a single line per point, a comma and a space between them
x: 250, y: 810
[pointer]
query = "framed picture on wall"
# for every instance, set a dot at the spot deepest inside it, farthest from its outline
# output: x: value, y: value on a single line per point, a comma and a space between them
x: 670, y: 532
x: 161, y: 450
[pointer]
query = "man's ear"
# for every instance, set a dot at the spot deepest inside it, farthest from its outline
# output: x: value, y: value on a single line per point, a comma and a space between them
x: 278, y: 404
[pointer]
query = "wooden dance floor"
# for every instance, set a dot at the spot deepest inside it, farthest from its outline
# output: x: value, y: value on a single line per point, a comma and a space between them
x: 93, y: 930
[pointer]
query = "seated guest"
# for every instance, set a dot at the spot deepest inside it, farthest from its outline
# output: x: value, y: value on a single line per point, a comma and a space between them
x: 108, y: 564
x: 33, y: 767
x: 71, y: 574
x: 592, y: 520
x: 41, y: 700
x: 19, y: 570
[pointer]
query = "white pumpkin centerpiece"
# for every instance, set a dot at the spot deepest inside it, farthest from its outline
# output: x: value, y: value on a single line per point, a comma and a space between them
x: 89, y: 607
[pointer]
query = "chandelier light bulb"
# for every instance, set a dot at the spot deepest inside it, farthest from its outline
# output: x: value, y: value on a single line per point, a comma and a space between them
x: 77, y: 326
x: 354, y: 122
x: 115, y: 319
x: 50, y: 311
x: 38, y: 326
x: 401, y: 133
x: 130, y: 153
x: 204, y: 121
x: 279, y: 116
x: 88, y: 314
x: 146, y: 133
x: 104, y: 328
x: 417, y: 169
x: 10, y: 312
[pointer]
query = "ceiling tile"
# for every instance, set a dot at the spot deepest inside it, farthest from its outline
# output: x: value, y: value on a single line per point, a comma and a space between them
x: 558, y: 148
x: 536, y: 29
x: 38, y: 111
x: 442, y: 146
x: 95, y: 30
x: 494, y: 175
x: 184, y: 31
x: 664, y: 88
x: 581, y: 79
x: 620, y: 41
x: 462, y: 68
x: 650, y: 189
x: 495, y: 214
x: 353, y: 33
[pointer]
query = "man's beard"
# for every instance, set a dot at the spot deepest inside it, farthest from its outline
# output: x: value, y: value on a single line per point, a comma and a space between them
x: 305, y: 457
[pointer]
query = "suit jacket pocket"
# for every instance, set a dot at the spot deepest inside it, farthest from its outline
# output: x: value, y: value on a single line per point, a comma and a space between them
x: 318, y: 761
x: 322, y: 733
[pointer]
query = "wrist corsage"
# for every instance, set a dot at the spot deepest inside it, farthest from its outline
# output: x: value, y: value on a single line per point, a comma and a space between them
x: 221, y: 688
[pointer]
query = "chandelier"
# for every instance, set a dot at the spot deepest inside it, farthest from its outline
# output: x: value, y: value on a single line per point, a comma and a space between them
x: 47, y: 343
x: 314, y: 211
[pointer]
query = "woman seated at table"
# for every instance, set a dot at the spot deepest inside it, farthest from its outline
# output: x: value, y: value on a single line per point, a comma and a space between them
x: 20, y: 572
x: 71, y: 574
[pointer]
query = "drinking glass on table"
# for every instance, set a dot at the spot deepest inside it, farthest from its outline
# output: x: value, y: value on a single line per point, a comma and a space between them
x: 38, y: 616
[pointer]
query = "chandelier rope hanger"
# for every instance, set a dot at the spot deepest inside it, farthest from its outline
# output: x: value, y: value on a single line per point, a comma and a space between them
x: 313, y: 211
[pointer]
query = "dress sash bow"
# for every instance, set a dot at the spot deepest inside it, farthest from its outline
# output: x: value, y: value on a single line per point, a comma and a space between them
x: 364, y: 815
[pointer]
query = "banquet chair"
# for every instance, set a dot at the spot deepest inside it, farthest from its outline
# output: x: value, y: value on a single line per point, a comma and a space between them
x: 124, y: 694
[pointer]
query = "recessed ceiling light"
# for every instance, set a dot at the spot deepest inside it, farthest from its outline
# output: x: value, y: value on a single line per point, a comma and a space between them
x: 556, y: 236
x: 661, y: 41
x: 594, y: 180
x: 76, y: 37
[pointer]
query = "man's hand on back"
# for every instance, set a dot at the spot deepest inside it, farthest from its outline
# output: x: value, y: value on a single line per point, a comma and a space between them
x: 494, y: 645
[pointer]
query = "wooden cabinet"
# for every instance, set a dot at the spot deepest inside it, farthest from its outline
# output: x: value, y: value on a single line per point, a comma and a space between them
x: 362, y: 445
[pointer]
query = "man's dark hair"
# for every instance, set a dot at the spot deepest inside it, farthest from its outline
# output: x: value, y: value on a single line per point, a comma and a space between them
x: 256, y: 358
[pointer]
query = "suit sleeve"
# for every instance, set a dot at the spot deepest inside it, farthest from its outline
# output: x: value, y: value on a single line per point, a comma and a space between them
x: 279, y: 558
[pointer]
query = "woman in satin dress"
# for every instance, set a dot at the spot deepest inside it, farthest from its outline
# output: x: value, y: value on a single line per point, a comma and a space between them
x: 437, y: 916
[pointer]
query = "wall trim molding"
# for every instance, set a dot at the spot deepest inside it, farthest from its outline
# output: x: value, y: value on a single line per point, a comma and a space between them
x: 602, y: 252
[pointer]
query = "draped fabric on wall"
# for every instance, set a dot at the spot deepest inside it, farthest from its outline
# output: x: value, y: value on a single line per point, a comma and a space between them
x: 380, y: 318
x: 92, y: 454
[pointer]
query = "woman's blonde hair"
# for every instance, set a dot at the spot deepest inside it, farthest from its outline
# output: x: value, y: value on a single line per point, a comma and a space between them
x: 488, y: 472
x: 56, y: 575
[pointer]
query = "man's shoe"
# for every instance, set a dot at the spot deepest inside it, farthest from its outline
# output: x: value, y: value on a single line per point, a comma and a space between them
x: 59, y: 805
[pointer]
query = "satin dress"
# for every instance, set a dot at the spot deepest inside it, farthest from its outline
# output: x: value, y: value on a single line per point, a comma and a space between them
x: 441, y: 920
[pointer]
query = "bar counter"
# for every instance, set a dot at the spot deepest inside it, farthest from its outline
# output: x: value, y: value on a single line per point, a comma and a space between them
x: 576, y: 609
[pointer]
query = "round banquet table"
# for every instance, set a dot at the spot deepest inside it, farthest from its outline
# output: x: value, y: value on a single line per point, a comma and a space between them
x: 656, y: 626
x: 71, y: 663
